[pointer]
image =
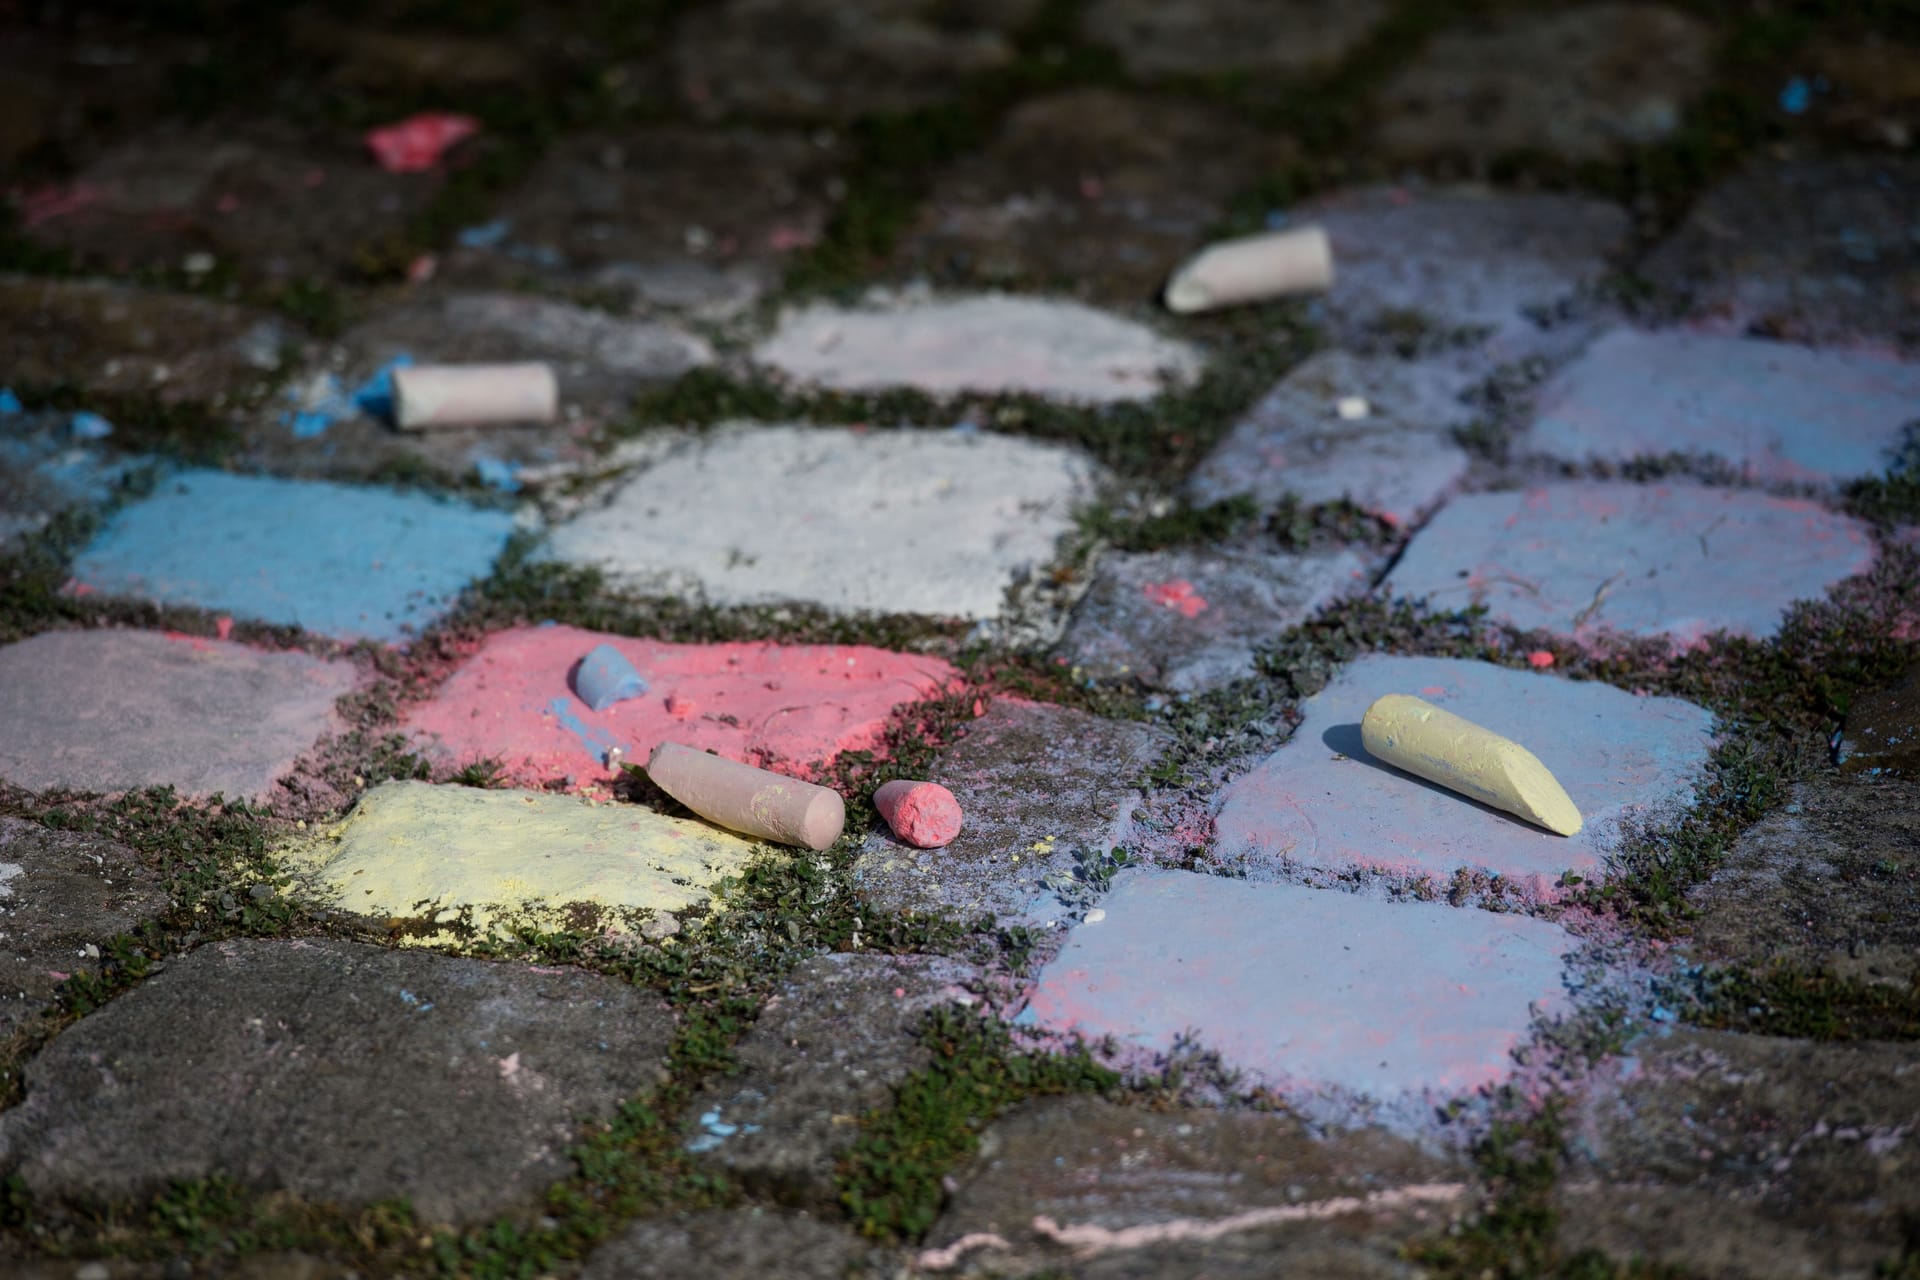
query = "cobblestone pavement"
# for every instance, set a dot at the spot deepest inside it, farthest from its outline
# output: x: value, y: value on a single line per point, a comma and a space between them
x: 344, y: 938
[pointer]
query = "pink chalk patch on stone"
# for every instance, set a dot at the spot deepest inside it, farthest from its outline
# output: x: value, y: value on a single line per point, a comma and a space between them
x: 223, y: 627
x: 511, y: 700
x: 417, y: 143
x: 924, y: 814
x: 1177, y: 595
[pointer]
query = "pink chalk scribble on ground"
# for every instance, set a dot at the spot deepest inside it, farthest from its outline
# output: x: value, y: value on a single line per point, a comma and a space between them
x: 419, y: 142
x: 1091, y: 1239
x: 44, y: 204
x: 1177, y: 594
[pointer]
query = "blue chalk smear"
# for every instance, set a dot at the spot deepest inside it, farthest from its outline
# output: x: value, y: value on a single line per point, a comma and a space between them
x: 375, y: 396
x: 1796, y: 97
x: 496, y: 473
x: 90, y: 426
x: 606, y: 677
x: 10, y: 403
x: 598, y: 742
x: 486, y: 235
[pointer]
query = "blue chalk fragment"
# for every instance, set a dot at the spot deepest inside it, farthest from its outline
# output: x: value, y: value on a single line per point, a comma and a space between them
x: 486, y: 235
x: 1796, y: 97
x: 10, y: 403
x: 375, y: 396
x: 605, y: 677
x: 90, y: 426
x: 497, y: 473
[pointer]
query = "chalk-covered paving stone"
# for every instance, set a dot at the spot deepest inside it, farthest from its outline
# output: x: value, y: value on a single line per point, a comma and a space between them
x: 46, y: 469
x: 1037, y: 784
x: 732, y: 1244
x: 1291, y: 37
x: 336, y: 1071
x: 988, y: 343
x: 1595, y: 559
x: 1775, y: 411
x: 337, y: 560
x: 1194, y: 1192
x: 829, y: 1046
x: 63, y: 897
x: 1191, y: 620
x: 1716, y: 1153
x: 1322, y: 805
x: 1396, y: 461
x: 791, y: 707
x: 111, y: 710
x: 1621, y: 75
x: 1316, y: 992
x: 898, y: 521
x: 483, y: 857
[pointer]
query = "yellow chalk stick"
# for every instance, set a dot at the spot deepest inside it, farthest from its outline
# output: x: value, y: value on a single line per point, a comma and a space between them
x: 1461, y: 756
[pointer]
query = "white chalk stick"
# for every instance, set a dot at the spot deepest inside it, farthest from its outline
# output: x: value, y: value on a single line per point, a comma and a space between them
x: 755, y: 802
x: 1461, y: 756
x: 429, y: 395
x: 1252, y: 268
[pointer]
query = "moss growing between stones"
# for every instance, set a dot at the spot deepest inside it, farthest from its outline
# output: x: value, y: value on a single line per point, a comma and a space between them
x: 1808, y: 1005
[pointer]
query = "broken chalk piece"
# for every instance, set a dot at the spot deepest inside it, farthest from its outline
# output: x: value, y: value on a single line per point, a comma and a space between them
x: 456, y: 395
x: 755, y: 802
x: 606, y: 677
x: 1461, y: 756
x: 924, y: 814
x: 1252, y: 268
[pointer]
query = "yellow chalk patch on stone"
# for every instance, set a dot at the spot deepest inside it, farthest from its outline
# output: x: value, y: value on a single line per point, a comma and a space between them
x: 1461, y: 756
x: 487, y: 858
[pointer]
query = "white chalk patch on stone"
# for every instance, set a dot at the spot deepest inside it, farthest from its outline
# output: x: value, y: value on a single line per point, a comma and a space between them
x: 9, y: 872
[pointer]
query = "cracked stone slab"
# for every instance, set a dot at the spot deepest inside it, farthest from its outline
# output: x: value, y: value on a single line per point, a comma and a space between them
x: 896, y: 521
x: 1203, y: 37
x: 1585, y: 84
x: 1596, y: 559
x: 1168, y: 1177
x: 1323, y: 805
x: 794, y: 708
x: 1191, y: 620
x: 111, y: 710
x: 1726, y: 1154
x: 108, y: 338
x: 1036, y: 782
x: 989, y: 343
x: 1397, y: 461
x: 1772, y: 410
x: 830, y: 1046
x: 338, y: 1072
x: 1318, y: 993
x: 1830, y: 882
x: 337, y: 560
x: 63, y: 896
x: 729, y: 1244
x: 1149, y: 178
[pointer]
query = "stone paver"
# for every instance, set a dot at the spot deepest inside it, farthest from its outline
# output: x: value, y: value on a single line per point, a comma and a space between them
x: 415, y: 850
x: 829, y: 1046
x: 1773, y: 410
x: 1883, y: 729
x: 1724, y: 1154
x: 63, y: 896
x: 110, y: 710
x: 338, y: 1072
x: 729, y: 1244
x: 985, y: 343
x: 1147, y: 179
x: 898, y: 521
x: 1829, y: 882
x: 1036, y: 783
x: 1168, y: 1176
x: 337, y: 560
x: 1589, y: 560
x: 1397, y: 462
x: 833, y: 59
x: 1314, y: 992
x: 1584, y: 84
x: 1322, y: 805
x: 794, y: 707
x: 1285, y: 36
x: 1190, y: 620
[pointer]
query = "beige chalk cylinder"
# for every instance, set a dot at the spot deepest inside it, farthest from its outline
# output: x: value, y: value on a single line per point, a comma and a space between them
x: 444, y: 395
x: 754, y: 802
x: 1461, y: 756
x: 1272, y: 264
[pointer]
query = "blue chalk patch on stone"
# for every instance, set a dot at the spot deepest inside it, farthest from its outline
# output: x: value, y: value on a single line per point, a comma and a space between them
x: 597, y: 741
x: 497, y: 473
x: 10, y: 403
x: 89, y: 426
x: 486, y: 235
x: 606, y: 677
x: 339, y: 560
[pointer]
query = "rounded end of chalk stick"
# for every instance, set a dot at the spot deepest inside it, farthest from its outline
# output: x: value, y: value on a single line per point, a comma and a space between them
x: 1184, y: 294
x: 824, y: 820
x: 924, y: 814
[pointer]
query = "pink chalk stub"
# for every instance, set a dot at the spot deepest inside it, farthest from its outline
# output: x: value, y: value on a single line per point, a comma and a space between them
x: 754, y: 802
x: 924, y: 814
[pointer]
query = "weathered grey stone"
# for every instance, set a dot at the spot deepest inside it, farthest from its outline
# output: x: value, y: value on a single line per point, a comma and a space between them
x: 1093, y: 192
x: 733, y: 1244
x: 1036, y: 782
x: 834, y: 59
x: 828, y: 1047
x: 1190, y: 620
x: 1583, y: 84
x: 1830, y: 882
x: 63, y: 896
x: 1172, y: 1176
x: 1882, y: 734
x: 1204, y: 36
x: 338, y: 1072
x: 1735, y: 1155
x: 108, y: 710
x: 104, y: 337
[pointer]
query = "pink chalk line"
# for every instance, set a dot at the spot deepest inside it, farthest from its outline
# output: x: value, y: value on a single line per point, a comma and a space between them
x: 1086, y: 1241
x: 949, y: 1257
